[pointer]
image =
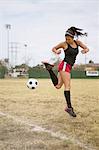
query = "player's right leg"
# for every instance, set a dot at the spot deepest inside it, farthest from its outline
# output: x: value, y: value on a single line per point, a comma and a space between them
x: 50, y: 63
x: 51, y: 73
x: 60, y: 82
x: 47, y: 65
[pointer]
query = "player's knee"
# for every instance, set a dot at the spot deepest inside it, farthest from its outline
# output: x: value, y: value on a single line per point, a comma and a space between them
x: 58, y: 86
x: 67, y: 87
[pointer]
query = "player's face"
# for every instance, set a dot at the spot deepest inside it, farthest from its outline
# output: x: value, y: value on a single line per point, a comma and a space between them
x: 69, y: 39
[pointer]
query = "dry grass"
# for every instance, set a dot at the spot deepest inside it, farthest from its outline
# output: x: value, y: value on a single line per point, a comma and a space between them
x: 45, y: 107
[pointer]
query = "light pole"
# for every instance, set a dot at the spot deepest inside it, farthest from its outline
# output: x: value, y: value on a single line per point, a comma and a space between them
x: 25, y: 45
x: 86, y: 35
x: 8, y: 27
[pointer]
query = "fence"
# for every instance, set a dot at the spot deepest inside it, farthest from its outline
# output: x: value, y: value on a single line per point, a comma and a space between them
x: 42, y: 73
x: 2, y: 72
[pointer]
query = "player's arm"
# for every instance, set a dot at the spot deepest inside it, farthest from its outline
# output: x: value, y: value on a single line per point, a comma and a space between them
x: 57, y: 47
x: 85, y: 49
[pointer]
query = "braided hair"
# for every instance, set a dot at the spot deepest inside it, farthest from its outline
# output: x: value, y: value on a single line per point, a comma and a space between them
x: 73, y: 31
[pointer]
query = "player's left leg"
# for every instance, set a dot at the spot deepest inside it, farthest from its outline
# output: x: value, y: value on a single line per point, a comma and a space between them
x: 66, y: 79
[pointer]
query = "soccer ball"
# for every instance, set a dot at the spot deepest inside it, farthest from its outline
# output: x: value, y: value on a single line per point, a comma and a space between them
x: 32, y: 83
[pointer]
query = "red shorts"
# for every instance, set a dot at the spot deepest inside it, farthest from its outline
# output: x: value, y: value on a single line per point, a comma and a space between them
x: 64, y: 66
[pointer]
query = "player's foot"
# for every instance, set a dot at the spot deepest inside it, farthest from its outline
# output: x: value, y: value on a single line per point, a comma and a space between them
x: 70, y: 111
x: 47, y: 65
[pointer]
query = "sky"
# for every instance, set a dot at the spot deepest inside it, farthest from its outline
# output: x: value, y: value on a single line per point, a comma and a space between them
x: 39, y: 25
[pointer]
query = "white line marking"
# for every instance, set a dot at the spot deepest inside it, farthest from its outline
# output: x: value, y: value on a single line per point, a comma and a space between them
x: 53, y: 134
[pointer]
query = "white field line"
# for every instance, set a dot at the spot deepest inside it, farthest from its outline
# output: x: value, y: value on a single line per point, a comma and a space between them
x: 36, y: 128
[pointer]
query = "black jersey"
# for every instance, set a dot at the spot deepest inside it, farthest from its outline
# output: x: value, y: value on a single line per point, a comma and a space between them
x: 70, y: 54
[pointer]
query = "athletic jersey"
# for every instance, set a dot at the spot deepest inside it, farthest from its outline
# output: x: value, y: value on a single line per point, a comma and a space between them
x: 70, y: 54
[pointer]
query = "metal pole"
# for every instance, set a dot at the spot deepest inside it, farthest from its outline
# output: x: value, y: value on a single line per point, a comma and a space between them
x: 85, y: 59
x: 25, y: 45
x: 86, y: 35
x: 8, y: 27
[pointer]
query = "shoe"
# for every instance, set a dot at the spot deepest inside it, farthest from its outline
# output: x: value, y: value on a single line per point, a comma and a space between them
x: 48, y: 66
x: 71, y: 112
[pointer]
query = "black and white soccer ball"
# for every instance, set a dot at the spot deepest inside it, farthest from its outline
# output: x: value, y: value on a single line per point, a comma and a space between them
x: 32, y: 83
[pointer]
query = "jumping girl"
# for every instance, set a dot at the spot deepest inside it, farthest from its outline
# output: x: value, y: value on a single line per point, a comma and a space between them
x: 71, y: 50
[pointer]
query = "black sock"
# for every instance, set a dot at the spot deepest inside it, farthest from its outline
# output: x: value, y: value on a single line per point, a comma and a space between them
x: 53, y: 77
x: 67, y: 97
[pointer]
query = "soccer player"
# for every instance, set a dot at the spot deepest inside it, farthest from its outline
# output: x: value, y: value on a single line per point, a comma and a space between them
x: 71, y: 49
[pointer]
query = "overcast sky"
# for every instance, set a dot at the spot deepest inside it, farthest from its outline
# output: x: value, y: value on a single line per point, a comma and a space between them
x: 41, y: 24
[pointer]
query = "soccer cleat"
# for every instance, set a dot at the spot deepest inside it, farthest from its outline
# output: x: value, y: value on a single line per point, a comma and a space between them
x: 48, y: 66
x: 71, y: 112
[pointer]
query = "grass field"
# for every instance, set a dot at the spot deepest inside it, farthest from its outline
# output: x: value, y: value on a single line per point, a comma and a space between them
x: 36, y: 120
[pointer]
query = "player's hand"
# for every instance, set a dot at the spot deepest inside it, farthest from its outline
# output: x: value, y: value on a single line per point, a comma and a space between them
x: 58, y: 52
x: 83, y: 52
